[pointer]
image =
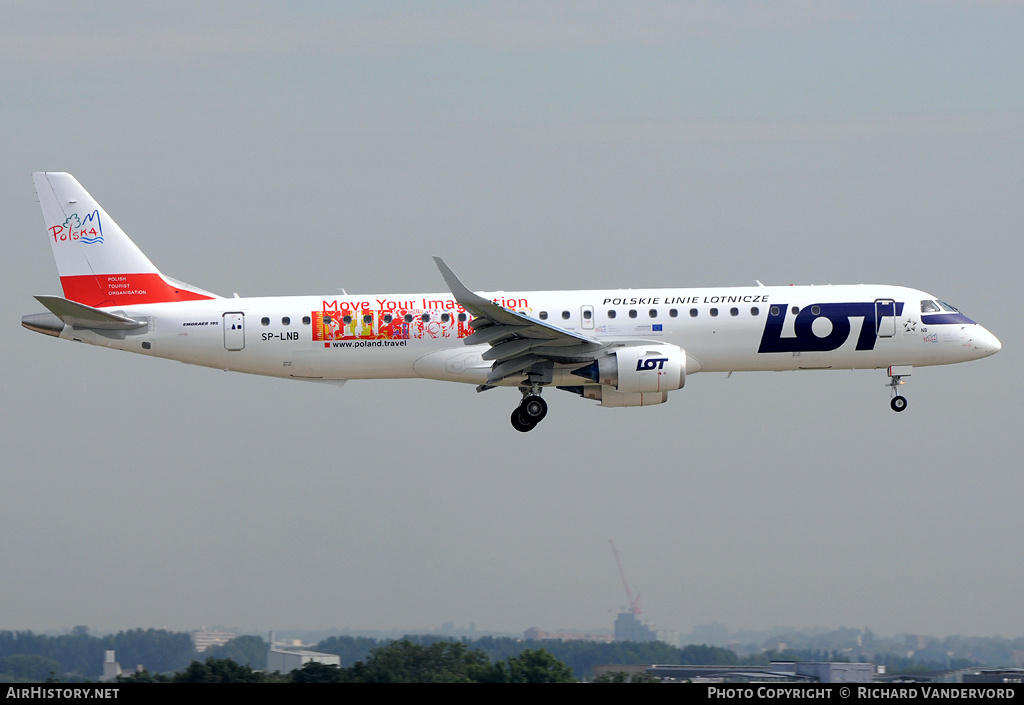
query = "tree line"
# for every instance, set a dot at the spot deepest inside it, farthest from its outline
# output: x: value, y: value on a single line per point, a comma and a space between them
x: 79, y: 656
x: 397, y: 662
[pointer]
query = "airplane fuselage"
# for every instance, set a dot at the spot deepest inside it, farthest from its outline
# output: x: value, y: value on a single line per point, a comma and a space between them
x: 377, y: 336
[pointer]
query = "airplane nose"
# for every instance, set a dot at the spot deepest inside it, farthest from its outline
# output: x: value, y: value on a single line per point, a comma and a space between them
x: 986, y: 343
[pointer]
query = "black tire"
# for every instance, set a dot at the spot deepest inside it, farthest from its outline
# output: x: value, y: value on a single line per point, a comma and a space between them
x: 520, y: 424
x: 898, y: 403
x: 533, y: 409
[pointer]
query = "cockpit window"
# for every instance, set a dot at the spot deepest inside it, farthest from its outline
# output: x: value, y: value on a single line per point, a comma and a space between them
x: 929, y: 307
x: 947, y: 307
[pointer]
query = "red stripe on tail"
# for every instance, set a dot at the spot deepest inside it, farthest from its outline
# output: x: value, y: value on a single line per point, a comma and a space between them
x: 103, y: 290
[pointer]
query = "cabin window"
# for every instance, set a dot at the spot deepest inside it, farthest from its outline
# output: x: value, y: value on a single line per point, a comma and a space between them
x: 327, y: 320
x: 774, y: 310
x: 367, y: 319
x: 425, y: 318
x: 347, y: 320
x: 754, y: 311
x: 632, y: 313
x: 611, y: 313
x: 565, y: 315
x: 653, y: 313
x: 693, y: 313
x: 462, y: 318
x: 816, y: 310
x: 795, y: 310
x: 734, y: 311
x: 286, y: 321
x: 445, y: 318
x: 265, y: 321
x: 543, y: 315
x: 714, y: 312
x: 388, y: 318
x: 587, y: 314
x: 673, y: 313
x: 306, y: 320
x: 408, y: 318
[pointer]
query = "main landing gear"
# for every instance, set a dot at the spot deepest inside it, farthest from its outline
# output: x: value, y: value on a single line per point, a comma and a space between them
x: 531, y: 411
x: 896, y: 375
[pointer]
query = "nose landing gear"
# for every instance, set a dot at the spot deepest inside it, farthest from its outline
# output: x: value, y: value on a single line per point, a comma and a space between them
x: 896, y: 375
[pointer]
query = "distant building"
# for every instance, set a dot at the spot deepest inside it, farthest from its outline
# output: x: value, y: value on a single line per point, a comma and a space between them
x: 776, y: 672
x: 629, y: 627
x: 287, y: 661
x: 828, y: 671
x: 535, y: 634
x: 111, y: 668
x: 205, y: 639
x: 995, y: 675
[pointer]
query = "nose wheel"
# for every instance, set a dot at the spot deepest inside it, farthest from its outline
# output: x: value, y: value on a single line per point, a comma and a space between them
x: 898, y: 403
x: 530, y: 412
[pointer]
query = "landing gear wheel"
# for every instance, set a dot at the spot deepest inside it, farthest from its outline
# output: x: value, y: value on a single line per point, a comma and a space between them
x: 533, y: 409
x: 519, y: 423
x: 898, y: 403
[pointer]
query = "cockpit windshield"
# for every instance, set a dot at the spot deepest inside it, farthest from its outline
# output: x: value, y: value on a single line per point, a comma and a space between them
x: 937, y: 307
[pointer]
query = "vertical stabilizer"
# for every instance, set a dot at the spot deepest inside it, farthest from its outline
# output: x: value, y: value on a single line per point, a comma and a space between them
x: 97, y: 262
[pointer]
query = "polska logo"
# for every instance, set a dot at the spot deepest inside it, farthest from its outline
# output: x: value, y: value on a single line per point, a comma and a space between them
x: 87, y: 230
x: 651, y: 363
x: 804, y: 339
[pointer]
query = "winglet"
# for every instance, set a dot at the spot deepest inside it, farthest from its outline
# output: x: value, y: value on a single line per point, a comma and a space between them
x: 475, y: 304
x: 497, y: 315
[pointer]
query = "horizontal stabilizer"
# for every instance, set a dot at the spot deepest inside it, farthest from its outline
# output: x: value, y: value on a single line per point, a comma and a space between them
x: 82, y: 316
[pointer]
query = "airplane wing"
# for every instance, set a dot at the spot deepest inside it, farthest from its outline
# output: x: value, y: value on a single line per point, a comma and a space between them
x: 519, y: 343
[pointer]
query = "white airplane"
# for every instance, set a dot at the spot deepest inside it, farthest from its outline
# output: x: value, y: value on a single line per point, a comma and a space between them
x: 618, y: 347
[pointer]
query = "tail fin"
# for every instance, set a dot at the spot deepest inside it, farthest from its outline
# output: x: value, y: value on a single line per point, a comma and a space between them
x: 98, y: 264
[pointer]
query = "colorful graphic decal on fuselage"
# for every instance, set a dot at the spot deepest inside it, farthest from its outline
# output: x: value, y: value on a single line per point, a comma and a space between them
x: 829, y: 336
x: 393, y: 319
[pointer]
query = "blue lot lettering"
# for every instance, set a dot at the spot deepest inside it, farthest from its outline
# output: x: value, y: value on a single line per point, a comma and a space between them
x: 651, y: 363
x: 804, y: 339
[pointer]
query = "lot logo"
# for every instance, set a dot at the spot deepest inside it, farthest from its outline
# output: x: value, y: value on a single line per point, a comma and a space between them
x: 651, y: 363
x: 804, y: 338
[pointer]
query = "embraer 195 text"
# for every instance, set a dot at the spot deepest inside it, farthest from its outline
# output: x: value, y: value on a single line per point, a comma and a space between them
x: 617, y: 347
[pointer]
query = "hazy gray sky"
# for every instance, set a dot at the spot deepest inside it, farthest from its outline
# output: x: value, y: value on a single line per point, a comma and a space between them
x: 275, y: 148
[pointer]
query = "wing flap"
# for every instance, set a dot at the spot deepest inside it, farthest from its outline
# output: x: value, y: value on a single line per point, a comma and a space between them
x: 490, y: 334
x: 504, y: 351
x: 515, y: 366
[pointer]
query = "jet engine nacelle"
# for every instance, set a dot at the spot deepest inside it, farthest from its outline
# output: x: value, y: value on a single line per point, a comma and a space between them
x: 643, y: 369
